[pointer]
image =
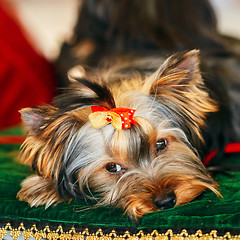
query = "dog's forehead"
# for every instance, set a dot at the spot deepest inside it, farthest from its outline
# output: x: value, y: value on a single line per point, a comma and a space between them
x: 133, y: 143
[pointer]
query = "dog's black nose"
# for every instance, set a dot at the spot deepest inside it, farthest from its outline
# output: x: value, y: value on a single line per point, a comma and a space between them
x: 166, y: 201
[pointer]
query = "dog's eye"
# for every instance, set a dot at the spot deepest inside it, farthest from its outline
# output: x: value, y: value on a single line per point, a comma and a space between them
x: 161, y: 144
x: 113, y: 167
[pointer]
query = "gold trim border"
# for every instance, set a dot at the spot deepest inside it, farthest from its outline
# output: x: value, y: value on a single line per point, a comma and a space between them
x: 59, y: 234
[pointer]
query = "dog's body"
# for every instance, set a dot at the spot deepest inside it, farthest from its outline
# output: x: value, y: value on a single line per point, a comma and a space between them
x: 131, y: 131
x: 107, y: 31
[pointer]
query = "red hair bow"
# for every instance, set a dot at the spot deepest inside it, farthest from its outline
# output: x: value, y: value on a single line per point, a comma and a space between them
x: 120, y: 118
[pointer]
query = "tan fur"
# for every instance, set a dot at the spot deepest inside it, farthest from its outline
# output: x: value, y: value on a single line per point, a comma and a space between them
x: 37, y: 190
x: 71, y: 157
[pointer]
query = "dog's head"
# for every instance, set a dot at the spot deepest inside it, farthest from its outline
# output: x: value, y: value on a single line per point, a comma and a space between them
x: 149, y: 166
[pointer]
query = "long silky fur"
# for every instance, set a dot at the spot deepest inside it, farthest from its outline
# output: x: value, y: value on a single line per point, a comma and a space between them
x: 70, y: 156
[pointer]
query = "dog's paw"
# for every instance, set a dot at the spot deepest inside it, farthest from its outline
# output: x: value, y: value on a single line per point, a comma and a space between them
x: 37, y: 191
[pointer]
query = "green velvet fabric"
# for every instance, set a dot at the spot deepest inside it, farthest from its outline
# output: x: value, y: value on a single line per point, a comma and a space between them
x: 206, y: 212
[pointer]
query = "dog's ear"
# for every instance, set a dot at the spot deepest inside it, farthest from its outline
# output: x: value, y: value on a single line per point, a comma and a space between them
x: 178, y: 83
x: 35, y: 118
x: 178, y: 73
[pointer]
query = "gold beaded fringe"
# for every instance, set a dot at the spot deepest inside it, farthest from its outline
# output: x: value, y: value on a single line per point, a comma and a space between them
x: 59, y: 234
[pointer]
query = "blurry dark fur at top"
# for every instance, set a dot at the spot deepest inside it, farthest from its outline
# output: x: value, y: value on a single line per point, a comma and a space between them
x: 108, y: 31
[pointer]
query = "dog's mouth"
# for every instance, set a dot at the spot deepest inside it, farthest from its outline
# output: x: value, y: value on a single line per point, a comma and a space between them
x: 142, y: 203
x: 156, y: 199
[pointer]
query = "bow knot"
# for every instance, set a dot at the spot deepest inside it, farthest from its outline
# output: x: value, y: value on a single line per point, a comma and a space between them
x: 120, y: 118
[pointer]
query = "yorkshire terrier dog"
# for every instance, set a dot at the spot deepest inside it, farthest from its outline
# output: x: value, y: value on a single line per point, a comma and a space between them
x: 132, y: 130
